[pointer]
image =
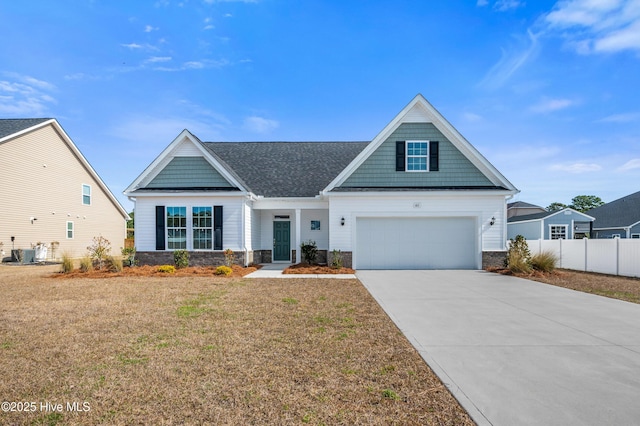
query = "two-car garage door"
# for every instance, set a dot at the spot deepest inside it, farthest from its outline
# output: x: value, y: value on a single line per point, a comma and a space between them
x: 416, y: 243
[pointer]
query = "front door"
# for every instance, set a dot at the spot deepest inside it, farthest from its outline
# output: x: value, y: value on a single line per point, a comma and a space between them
x: 281, y: 240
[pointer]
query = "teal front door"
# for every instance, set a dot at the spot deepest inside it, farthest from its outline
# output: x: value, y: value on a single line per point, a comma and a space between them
x: 281, y: 240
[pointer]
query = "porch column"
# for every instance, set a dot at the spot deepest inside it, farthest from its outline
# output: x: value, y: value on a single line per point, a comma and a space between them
x: 298, y: 240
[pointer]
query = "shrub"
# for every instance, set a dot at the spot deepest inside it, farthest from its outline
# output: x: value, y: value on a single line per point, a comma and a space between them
x: 129, y: 254
x: 336, y: 259
x: 167, y: 269
x: 223, y: 270
x: 309, y: 251
x: 86, y: 264
x: 517, y: 263
x: 229, y: 257
x: 67, y: 263
x: 545, y: 261
x: 99, y: 250
x: 518, y: 254
x: 181, y: 258
x: 113, y: 264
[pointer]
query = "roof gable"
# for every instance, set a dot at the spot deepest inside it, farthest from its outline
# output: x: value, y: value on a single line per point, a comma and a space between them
x: 185, y: 164
x: 11, y: 129
x: 419, y: 110
x: 623, y: 212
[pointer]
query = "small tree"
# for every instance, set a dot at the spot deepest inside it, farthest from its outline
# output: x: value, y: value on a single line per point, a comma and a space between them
x: 99, y: 250
x: 518, y: 255
x: 309, y: 251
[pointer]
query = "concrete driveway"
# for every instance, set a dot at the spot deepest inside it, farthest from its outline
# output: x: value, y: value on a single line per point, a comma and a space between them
x: 518, y: 352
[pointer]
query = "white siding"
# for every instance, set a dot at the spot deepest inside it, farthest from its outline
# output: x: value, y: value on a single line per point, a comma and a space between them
x: 146, y: 218
x: 491, y: 238
x: 41, y: 177
x: 321, y: 237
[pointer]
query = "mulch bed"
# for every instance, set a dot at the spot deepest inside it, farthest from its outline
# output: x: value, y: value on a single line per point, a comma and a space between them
x: 152, y: 271
x: 305, y: 268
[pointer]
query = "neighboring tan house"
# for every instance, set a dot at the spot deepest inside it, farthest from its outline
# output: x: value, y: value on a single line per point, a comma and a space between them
x: 562, y: 224
x: 619, y: 218
x: 418, y: 196
x: 520, y: 208
x: 51, y: 196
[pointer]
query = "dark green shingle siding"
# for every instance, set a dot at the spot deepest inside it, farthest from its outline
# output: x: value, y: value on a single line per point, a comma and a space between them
x: 185, y: 172
x: 379, y: 170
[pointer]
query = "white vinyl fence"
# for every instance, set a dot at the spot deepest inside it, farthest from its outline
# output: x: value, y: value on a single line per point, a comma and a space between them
x: 616, y: 256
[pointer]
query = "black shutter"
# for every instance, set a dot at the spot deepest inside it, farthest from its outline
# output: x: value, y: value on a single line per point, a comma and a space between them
x: 217, y: 227
x: 400, y: 158
x: 434, y: 156
x: 160, y: 228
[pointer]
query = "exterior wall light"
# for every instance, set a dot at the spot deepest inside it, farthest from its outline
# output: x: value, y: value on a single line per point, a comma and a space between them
x: 493, y: 221
x: 342, y: 221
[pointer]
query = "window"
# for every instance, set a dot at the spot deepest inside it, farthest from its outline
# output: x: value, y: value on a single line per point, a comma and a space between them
x: 635, y: 236
x: 315, y: 225
x: 176, y: 228
x: 417, y: 153
x: 558, y: 232
x: 69, y: 230
x: 202, y: 228
x: 86, y: 195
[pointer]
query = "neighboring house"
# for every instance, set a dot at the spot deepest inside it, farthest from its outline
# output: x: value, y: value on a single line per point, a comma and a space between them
x: 520, y: 208
x: 562, y: 224
x: 619, y: 218
x: 418, y: 195
x: 51, y: 194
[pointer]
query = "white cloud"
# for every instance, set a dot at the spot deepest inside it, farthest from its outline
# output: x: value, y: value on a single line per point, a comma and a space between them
x: 504, y: 5
x: 510, y: 62
x: 597, y: 26
x: 630, y: 165
x: 25, y: 96
x: 132, y: 46
x: 260, y: 125
x: 149, y: 28
x: 551, y: 105
x: 628, y: 117
x: 482, y: 3
x: 156, y: 59
x: 471, y: 117
x: 576, y: 167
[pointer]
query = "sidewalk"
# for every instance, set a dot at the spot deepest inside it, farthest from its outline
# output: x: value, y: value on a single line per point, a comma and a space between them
x: 274, y: 270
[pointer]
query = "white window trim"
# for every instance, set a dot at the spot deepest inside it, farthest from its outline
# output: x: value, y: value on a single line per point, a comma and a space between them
x: 566, y: 231
x: 189, y: 227
x: 83, y: 195
x: 186, y: 227
x: 73, y: 230
x: 406, y: 156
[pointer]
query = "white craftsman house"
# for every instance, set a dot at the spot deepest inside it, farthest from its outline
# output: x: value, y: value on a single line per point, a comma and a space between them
x: 418, y: 196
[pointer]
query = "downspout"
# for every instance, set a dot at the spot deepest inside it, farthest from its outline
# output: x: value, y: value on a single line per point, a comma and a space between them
x: 244, y: 232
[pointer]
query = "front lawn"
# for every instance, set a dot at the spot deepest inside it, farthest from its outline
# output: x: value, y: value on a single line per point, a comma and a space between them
x: 208, y: 350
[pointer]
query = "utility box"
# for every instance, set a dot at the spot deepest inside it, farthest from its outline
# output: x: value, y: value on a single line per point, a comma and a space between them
x: 23, y: 256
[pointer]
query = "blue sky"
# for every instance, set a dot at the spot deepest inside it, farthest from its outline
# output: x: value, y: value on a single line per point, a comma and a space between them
x: 548, y: 91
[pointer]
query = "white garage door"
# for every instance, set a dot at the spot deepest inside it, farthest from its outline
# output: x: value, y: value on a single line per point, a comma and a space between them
x: 416, y: 243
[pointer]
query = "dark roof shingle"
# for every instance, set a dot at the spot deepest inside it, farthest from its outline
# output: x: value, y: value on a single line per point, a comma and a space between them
x: 9, y: 126
x: 619, y: 213
x: 286, y: 169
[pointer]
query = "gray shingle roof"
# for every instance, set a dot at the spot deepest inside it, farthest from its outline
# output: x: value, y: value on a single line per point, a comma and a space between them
x: 286, y: 169
x: 619, y: 213
x: 521, y: 204
x: 9, y: 126
x: 529, y: 217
